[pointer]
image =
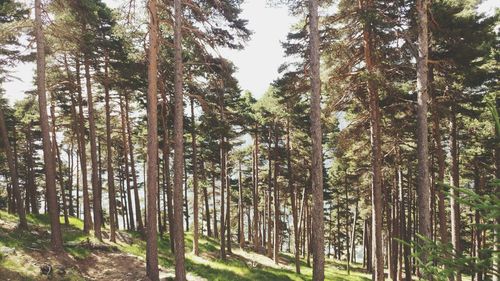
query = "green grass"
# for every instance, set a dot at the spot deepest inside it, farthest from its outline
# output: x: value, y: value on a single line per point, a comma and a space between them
x: 237, y: 267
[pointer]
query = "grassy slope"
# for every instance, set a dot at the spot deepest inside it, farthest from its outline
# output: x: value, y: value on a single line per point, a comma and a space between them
x: 241, y: 265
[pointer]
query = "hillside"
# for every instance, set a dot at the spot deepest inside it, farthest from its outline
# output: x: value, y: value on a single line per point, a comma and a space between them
x: 25, y: 256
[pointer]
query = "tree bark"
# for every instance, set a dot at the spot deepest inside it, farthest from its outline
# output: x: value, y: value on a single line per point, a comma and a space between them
x: 152, y: 146
x: 318, y: 246
x: 455, y: 180
x: 109, y: 155
x: 180, y: 270
x: 96, y: 192
x: 241, y: 220
x: 138, y: 216
x: 423, y: 185
x: 50, y: 170
x: 196, y: 249
x: 255, y: 192
x: 276, y: 198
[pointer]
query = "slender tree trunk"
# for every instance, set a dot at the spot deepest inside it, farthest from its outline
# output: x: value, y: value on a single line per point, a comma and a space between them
x: 80, y: 133
x: 317, y: 150
x: 152, y: 146
x: 216, y: 232
x: 347, y: 226
x: 57, y: 154
x: 166, y: 171
x: 109, y: 155
x: 228, y: 202
x: 455, y: 180
x: 196, y: 249
x: 376, y: 149
x: 293, y: 198
x: 180, y: 270
x: 126, y: 146
x: 138, y: 216
x: 21, y: 211
x: 49, y: 159
x: 241, y: 220
x: 255, y: 192
x: 31, y: 174
x: 96, y: 194
x: 276, y: 197
x: 205, y: 197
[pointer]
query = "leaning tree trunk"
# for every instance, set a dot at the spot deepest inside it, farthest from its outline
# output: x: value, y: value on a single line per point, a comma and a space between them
x: 48, y: 156
x: 318, y: 246
x: 23, y: 224
x: 152, y: 146
x: 180, y: 270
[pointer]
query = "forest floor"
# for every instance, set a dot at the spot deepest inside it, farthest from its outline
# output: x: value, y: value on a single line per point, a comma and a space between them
x: 26, y: 256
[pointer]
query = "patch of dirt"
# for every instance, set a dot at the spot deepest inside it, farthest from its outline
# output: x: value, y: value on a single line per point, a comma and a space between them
x: 112, y: 266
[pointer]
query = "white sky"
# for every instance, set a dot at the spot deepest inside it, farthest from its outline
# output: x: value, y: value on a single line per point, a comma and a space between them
x: 257, y: 63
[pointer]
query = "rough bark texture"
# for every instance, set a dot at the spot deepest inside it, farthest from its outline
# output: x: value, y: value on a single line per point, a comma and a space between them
x: 48, y: 156
x: 318, y: 246
x: 152, y: 146
x: 180, y: 270
x: 241, y: 222
x: 255, y: 193
x: 423, y: 185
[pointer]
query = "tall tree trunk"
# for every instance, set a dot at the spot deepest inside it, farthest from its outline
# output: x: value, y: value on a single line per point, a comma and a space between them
x: 180, y: 270
x: 96, y: 192
x: 152, y: 146
x: 293, y: 198
x: 269, y: 196
x: 196, y: 249
x: 126, y: 146
x: 223, y: 179
x: 347, y: 226
x: 166, y: 167
x: 255, y: 192
x: 80, y: 133
x: 318, y: 246
x: 21, y: 211
x: 241, y: 220
x: 48, y: 156
x: 276, y: 197
x: 376, y: 150
x: 205, y: 197
x: 31, y: 173
x: 138, y: 216
x: 109, y: 155
x: 216, y: 232
x: 228, y: 207
x: 423, y: 185
x: 455, y: 181
x: 57, y: 154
